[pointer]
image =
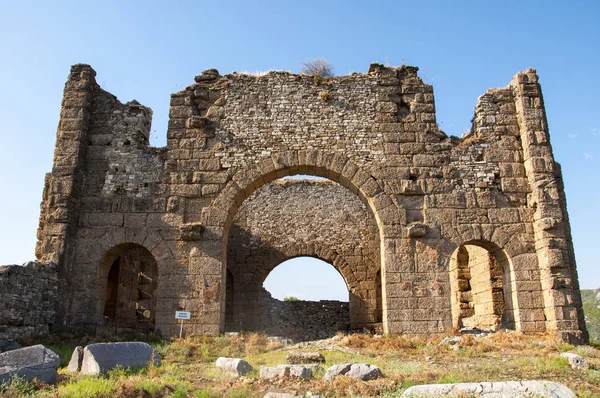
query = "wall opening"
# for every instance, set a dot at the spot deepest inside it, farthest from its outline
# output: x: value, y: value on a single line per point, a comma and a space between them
x: 304, y: 298
x: 481, y: 289
x: 129, y: 299
x: 303, y: 216
x: 229, y: 316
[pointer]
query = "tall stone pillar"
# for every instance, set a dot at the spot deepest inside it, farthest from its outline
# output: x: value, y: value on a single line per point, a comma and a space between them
x: 553, y: 243
x: 62, y: 190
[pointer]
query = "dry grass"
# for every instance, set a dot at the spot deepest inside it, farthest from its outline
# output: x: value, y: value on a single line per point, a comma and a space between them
x: 188, y: 368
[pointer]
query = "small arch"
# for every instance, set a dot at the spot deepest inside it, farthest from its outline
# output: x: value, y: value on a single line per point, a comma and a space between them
x: 481, y: 288
x: 127, y: 284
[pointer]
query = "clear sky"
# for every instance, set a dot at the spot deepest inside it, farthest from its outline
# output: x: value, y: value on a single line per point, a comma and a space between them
x: 146, y: 50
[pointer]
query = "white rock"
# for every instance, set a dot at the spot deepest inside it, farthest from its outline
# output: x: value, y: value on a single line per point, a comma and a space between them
x: 302, y: 371
x: 576, y: 361
x: 362, y: 371
x: 509, y: 389
x: 236, y: 366
x: 76, y: 360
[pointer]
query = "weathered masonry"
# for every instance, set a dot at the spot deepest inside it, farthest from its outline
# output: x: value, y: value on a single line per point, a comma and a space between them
x: 428, y: 231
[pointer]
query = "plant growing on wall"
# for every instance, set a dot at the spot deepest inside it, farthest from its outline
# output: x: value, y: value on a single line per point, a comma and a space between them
x: 318, y: 68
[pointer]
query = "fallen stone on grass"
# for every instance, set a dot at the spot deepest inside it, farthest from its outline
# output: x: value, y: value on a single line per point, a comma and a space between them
x: 450, y: 340
x: 100, y: 358
x: 576, y: 361
x: 280, y: 340
x: 336, y: 370
x: 35, y: 362
x: 297, y: 357
x: 361, y: 371
x: 76, y: 360
x: 236, y: 366
x: 305, y: 372
x: 507, y: 389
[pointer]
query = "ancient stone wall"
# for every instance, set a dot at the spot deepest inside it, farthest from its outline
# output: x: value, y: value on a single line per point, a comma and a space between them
x: 28, y: 296
x: 302, y: 320
x: 375, y: 134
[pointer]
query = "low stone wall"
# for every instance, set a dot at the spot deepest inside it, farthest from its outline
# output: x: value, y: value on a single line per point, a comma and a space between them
x: 28, y: 295
x: 303, y: 320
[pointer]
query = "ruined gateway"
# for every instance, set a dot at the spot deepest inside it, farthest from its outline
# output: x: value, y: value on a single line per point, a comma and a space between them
x: 428, y: 231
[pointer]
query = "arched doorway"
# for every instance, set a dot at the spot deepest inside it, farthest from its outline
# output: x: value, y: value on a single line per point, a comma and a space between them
x: 481, y: 288
x: 127, y: 288
x: 297, y: 217
x: 304, y: 298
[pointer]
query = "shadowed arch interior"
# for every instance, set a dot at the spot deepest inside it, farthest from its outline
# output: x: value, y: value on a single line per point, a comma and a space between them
x: 128, y: 275
x: 293, y: 218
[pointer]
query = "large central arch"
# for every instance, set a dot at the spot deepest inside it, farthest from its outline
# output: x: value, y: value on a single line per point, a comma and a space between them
x: 335, y: 167
x: 286, y: 219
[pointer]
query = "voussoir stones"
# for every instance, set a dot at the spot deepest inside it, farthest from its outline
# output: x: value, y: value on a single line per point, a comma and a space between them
x: 234, y: 366
x: 102, y: 357
x: 362, y: 371
x: 507, y: 389
x: 296, y: 357
x: 29, y: 363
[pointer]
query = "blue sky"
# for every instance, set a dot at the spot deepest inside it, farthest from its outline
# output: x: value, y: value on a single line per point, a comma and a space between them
x: 147, y: 50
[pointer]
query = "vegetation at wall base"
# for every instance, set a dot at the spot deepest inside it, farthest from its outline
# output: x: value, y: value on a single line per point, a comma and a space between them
x: 188, y: 366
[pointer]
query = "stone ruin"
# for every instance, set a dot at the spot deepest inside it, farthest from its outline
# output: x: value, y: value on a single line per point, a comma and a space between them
x: 428, y: 231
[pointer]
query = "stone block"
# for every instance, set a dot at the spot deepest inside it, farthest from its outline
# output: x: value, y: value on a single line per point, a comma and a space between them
x: 102, y: 357
x: 301, y: 371
x: 577, y: 362
x: 76, y: 360
x: 236, y: 366
x: 191, y: 232
x: 29, y: 363
x: 508, y: 389
x: 363, y: 371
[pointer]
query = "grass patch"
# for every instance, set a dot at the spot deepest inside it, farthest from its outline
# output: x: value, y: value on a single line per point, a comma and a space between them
x: 84, y: 387
x: 64, y: 351
x: 188, y: 367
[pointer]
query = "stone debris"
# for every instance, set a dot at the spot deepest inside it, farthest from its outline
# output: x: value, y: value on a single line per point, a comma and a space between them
x: 450, y: 340
x: 302, y: 371
x: 76, y: 360
x: 35, y: 362
x: 335, y: 371
x: 102, y: 357
x: 576, y: 361
x: 508, y: 389
x: 296, y: 357
x: 280, y: 340
x: 362, y: 371
x: 236, y: 366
